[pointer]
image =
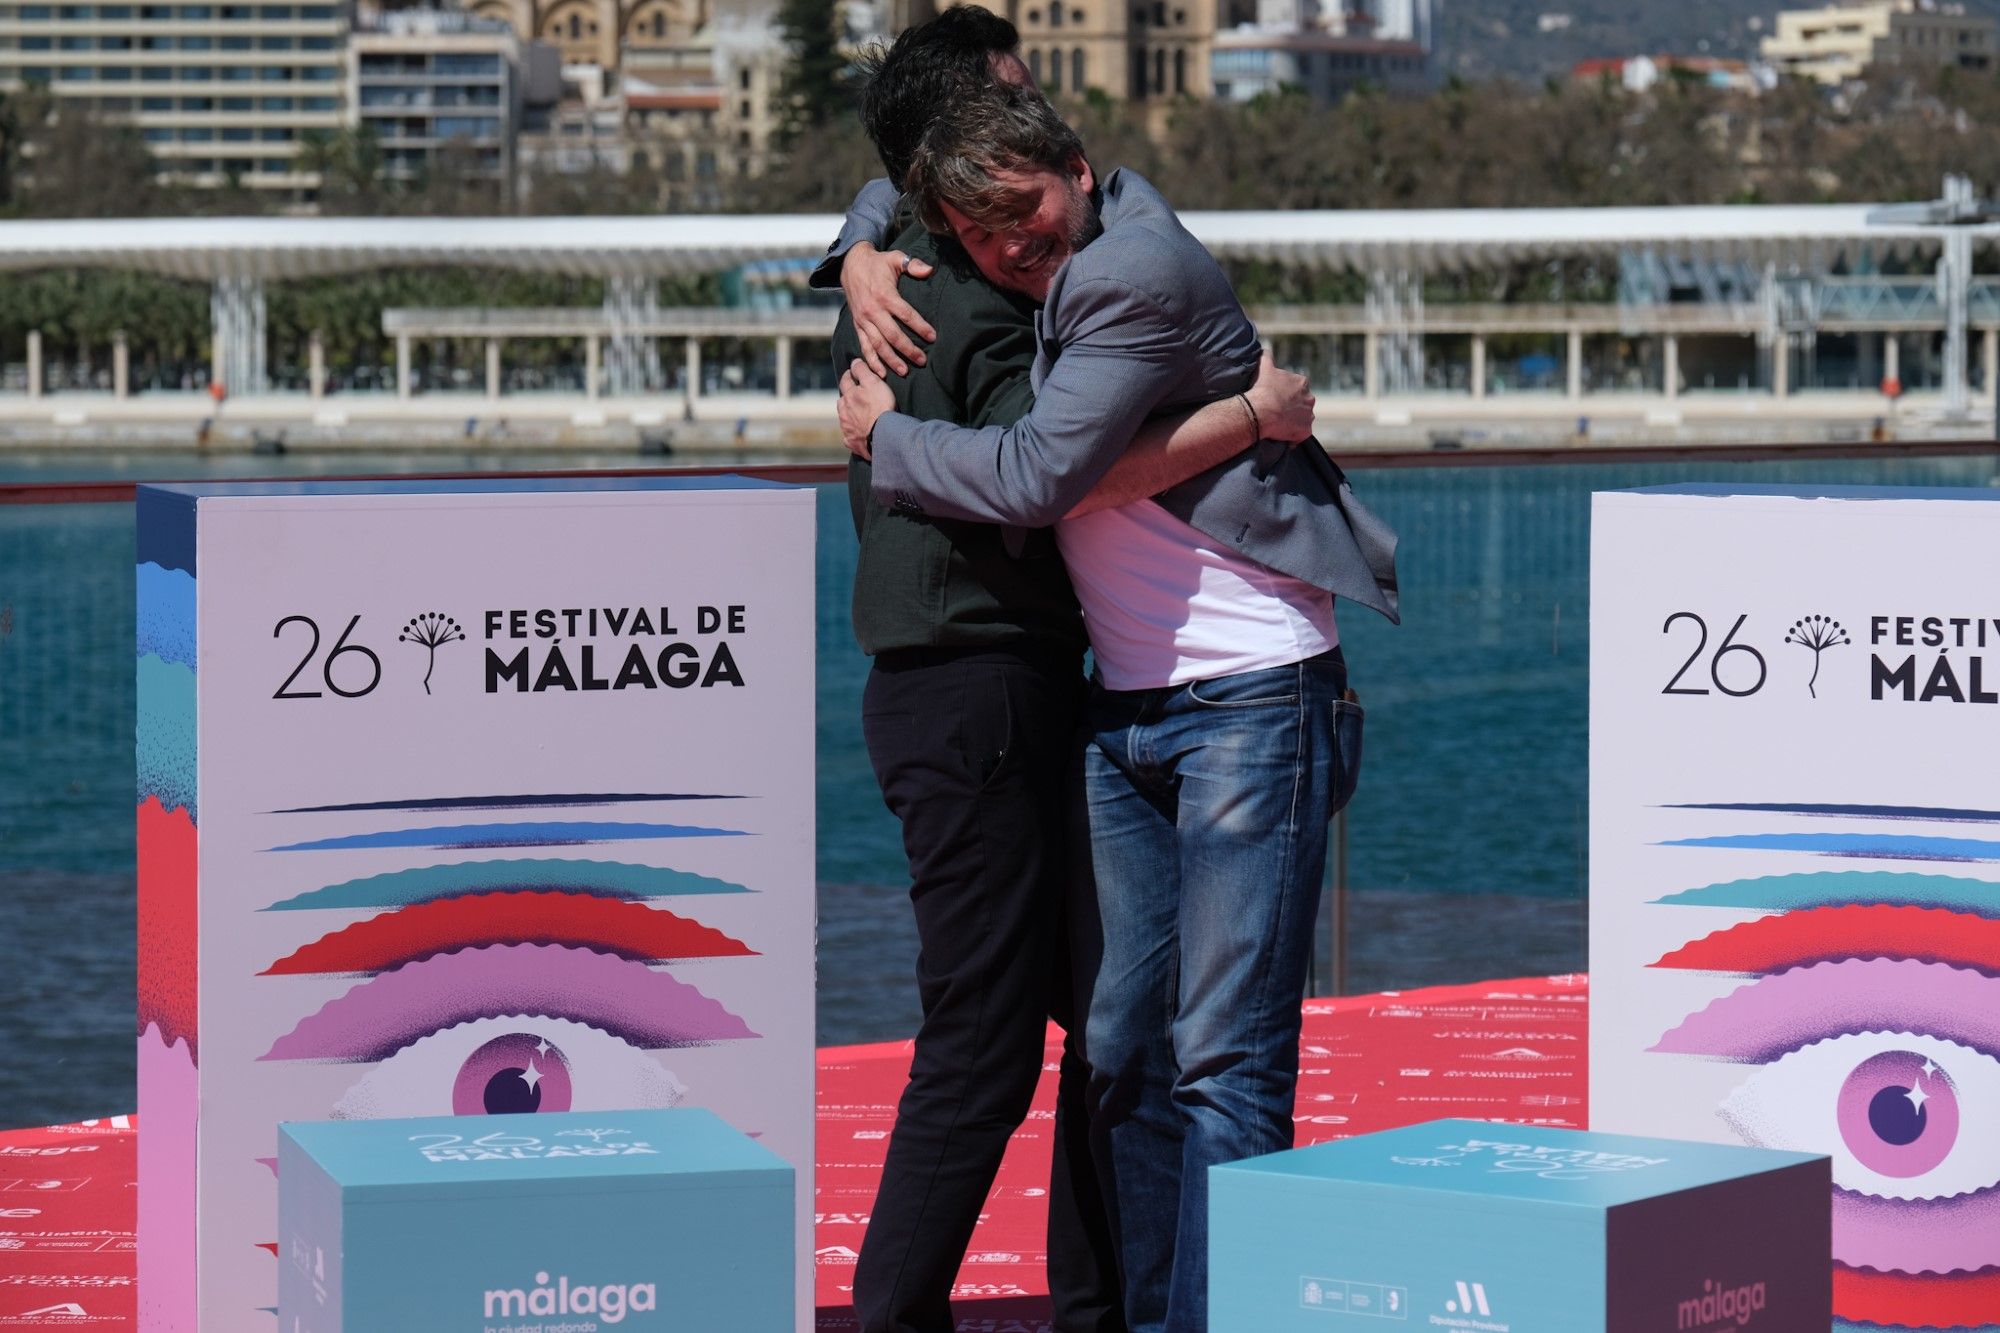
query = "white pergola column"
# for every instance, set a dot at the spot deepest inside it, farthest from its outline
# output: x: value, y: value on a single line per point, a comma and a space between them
x: 1574, y: 361
x: 1989, y: 360
x: 1773, y: 336
x: 1396, y: 314
x: 1892, y: 357
x: 316, y: 364
x: 632, y: 358
x: 236, y: 318
x: 1670, y: 366
x: 691, y: 368
x: 121, y: 365
x: 402, y: 365
x: 1479, y: 365
x: 1955, y: 280
x: 784, y: 368
x: 592, y: 361
x: 1371, y: 371
x: 34, y: 363
x: 492, y: 367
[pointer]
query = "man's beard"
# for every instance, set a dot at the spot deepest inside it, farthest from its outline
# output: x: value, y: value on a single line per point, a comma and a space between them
x: 1082, y: 222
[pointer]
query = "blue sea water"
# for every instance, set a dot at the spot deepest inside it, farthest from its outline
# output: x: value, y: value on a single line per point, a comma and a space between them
x: 1474, y: 783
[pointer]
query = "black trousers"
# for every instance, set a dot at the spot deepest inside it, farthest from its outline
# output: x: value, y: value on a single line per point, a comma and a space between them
x: 976, y: 756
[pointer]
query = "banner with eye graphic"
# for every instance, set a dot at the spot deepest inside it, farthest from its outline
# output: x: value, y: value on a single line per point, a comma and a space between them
x: 1795, y: 860
x: 462, y: 798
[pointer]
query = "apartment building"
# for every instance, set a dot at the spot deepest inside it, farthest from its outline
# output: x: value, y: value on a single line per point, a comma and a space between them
x: 219, y: 92
x: 1144, y: 51
x: 1836, y: 43
x: 1325, y: 51
x: 702, y: 103
x: 682, y: 87
x: 438, y: 90
x: 1249, y: 62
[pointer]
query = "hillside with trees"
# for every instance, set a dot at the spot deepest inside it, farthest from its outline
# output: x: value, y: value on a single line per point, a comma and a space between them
x: 1486, y: 144
x: 1532, y: 40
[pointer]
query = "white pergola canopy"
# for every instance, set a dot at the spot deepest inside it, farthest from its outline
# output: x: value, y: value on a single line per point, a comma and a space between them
x: 640, y: 247
x: 1428, y: 240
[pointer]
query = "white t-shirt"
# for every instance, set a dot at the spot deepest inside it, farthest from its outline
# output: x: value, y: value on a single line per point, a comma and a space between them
x: 1166, y: 604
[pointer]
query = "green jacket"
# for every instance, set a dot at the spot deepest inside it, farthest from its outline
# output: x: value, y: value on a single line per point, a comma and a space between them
x: 925, y: 582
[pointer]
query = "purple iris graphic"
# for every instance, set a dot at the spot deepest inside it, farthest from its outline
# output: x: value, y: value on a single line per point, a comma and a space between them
x: 518, y: 1074
x: 1898, y: 1114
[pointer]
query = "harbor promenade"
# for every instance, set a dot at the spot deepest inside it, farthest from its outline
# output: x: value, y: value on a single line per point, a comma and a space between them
x: 1751, y: 323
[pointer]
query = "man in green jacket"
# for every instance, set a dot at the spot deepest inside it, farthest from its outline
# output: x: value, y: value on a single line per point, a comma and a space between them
x: 971, y: 718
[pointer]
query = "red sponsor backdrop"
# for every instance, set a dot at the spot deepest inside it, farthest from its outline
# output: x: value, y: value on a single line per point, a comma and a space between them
x: 1507, y: 1051
x: 68, y: 1207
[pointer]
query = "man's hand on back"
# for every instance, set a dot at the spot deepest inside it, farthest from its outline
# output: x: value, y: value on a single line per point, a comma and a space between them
x: 1282, y: 401
x: 883, y: 320
x: 864, y: 397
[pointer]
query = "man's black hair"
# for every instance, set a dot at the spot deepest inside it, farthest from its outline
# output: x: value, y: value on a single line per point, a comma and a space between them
x: 918, y: 77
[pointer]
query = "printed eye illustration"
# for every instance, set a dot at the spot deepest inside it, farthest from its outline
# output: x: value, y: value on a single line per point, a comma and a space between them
x: 509, y: 987
x: 1859, y: 846
x: 512, y: 1075
x: 1845, y: 1045
x: 610, y: 925
x: 169, y: 1004
x: 1873, y: 1015
x: 423, y: 884
x: 512, y: 1066
x: 166, y: 686
x: 380, y: 1017
x: 1889, y: 1108
x: 527, y: 833
x: 1826, y: 889
x: 1826, y: 934
x: 510, y: 1029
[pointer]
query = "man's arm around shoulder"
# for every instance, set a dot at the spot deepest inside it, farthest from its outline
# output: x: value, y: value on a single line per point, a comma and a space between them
x: 1121, y: 358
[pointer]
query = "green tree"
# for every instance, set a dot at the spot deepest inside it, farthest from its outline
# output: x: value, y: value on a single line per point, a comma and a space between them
x: 1115, y: 133
x: 601, y: 188
x: 351, y: 169
x: 816, y: 172
x: 10, y: 147
x: 69, y: 162
x: 814, y: 91
x: 455, y: 184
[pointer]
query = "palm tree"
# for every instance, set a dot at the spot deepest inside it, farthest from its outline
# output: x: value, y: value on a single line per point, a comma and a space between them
x: 349, y: 164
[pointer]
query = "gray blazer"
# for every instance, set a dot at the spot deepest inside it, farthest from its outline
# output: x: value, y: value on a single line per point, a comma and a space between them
x: 1142, y: 321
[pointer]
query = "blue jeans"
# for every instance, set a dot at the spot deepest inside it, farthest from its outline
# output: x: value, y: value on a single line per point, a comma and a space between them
x: 1208, y: 816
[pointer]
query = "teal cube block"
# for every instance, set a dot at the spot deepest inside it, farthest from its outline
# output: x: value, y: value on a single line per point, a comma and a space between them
x: 574, y: 1223
x: 1488, y: 1228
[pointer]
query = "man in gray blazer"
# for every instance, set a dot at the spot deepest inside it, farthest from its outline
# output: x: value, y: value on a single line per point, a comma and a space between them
x: 1223, y: 736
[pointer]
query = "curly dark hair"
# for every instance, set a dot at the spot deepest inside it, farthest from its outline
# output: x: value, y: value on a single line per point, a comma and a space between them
x: 906, y: 86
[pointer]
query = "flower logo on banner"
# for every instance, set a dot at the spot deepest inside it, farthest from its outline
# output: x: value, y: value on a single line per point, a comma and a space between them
x: 1869, y: 1022
x: 431, y: 631
x: 1818, y: 633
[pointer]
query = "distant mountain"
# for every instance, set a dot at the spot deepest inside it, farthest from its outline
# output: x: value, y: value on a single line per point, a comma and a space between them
x: 1530, y: 40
